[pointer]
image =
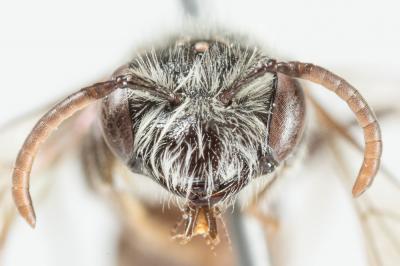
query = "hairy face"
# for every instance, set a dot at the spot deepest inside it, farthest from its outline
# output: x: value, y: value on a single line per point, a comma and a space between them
x: 201, y: 146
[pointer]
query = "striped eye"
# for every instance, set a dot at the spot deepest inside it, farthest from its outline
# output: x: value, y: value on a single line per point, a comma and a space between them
x: 288, y: 117
x: 116, y: 123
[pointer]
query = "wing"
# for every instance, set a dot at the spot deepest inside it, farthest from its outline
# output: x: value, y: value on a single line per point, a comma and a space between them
x: 61, y: 143
x: 309, y: 215
x: 377, y: 210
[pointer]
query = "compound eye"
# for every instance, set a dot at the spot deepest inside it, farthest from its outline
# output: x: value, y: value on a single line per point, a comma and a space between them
x: 117, y: 124
x: 288, y: 117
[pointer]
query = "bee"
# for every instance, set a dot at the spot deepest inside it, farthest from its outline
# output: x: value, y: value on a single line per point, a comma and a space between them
x: 204, y: 116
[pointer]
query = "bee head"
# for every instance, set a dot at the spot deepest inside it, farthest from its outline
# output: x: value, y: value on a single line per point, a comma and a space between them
x: 200, y: 147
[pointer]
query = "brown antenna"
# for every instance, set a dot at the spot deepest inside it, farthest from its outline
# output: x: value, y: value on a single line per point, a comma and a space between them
x: 53, y: 118
x: 41, y: 131
x: 365, y: 116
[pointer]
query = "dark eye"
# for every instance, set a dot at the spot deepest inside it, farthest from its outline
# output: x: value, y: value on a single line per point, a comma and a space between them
x: 117, y: 123
x: 288, y: 117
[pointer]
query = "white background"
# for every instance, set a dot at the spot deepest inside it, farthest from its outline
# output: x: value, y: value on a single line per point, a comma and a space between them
x: 50, y: 48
